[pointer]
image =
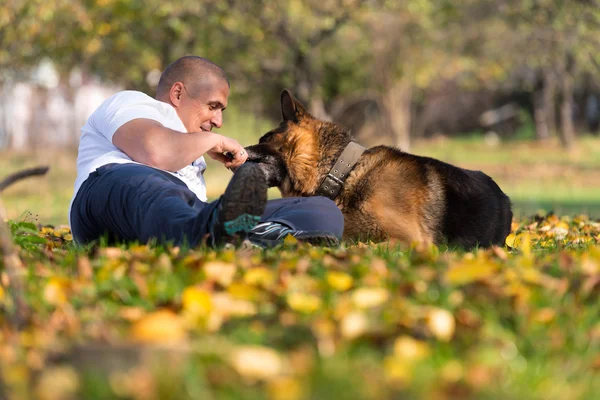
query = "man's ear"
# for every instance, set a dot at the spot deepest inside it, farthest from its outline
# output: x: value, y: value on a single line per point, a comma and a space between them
x: 176, y: 93
x: 291, y: 109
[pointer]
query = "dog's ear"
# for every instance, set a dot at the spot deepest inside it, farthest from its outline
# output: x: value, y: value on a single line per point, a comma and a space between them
x: 291, y: 108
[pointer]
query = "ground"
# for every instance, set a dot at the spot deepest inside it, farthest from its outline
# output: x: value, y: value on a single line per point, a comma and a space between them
x: 361, y: 321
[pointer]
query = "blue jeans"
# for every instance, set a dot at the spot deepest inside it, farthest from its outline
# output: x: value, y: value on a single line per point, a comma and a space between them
x: 128, y: 202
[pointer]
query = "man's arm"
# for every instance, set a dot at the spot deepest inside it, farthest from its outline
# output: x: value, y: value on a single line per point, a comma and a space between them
x: 149, y: 142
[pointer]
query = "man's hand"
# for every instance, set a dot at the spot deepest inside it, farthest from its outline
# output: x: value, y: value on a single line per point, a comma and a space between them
x: 229, y: 152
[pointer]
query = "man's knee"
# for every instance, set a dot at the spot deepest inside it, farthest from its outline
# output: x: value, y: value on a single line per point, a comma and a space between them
x: 327, y: 213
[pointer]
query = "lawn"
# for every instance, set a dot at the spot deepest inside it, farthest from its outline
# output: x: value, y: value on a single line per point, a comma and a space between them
x: 535, y: 176
x: 362, y: 321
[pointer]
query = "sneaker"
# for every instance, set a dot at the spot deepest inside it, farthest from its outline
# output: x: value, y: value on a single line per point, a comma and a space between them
x: 270, y: 234
x: 240, y: 207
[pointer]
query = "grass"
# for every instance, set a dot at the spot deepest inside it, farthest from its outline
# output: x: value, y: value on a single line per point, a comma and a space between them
x: 536, y: 177
x: 361, y: 321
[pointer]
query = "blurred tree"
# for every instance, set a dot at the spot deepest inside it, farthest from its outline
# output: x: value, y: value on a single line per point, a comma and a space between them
x: 558, y: 40
x: 321, y: 49
x: 20, y: 24
x: 415, y: 44
x: 286, y: 42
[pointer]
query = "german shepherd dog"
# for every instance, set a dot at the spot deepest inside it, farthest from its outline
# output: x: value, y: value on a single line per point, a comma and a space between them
x: 388, y: 194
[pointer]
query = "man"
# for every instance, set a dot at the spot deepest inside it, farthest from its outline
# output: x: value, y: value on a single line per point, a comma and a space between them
x: 140, y: 172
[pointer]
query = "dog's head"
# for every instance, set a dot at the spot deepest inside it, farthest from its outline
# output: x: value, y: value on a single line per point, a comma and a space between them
x: 299, y: 153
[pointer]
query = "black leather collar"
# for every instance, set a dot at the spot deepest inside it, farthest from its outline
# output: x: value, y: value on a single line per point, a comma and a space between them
x: 334, y: 181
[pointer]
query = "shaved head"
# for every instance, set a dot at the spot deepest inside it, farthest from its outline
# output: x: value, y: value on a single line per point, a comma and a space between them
x: 196, y: 73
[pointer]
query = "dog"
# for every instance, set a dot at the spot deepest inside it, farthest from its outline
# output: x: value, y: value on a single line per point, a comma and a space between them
x: 383, y: 192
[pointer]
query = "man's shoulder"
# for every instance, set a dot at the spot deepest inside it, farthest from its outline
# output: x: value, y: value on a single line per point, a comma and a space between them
x: 126, y: 100
x: 130, y: 96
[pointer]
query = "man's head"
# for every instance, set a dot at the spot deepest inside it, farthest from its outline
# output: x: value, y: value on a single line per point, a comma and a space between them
x: 198, y: 90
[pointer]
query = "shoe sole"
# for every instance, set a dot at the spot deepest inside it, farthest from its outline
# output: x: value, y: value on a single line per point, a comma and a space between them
x: 313, y: 238
x: 244, y: 201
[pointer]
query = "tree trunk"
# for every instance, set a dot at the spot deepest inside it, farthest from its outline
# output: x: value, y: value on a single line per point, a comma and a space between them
x: 397, y: 102
x: 567, y: 130
x: 544, y: 106
x: 549, y: 95
x: 317, y: 106
x: 305, y: 80
x: 540, y: 115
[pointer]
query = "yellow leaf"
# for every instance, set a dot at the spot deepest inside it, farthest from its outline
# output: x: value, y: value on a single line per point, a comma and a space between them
x: 339, y: 280
x: 470, y: 270
x: 57, y: 383
x: 159, y: 327
x: 354, y: 325
x: 525, y: 245
x: 409, y: 349
x: 441, y: 324
x: 396, y: 370
x: 196, y: 301
x: 226, y: 305
x: 452, y: 371
x: 531, y: 275
x: 56, y: 289
x: 243, y: 291
x: 112, y: 252
x: 285, y: 388
x: 510, y: 240
x: 370, y: 297
x: 304, y: 302
x: 46, y: 230
x: 260, y: 276
x: 544, y: 315
x: 220, y: 272
x: 589, y: 265
x: 290, y: 240
x: 257, y: 362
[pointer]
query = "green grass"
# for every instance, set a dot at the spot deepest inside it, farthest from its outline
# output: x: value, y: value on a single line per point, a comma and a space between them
x: 299, y: 322
x: 474, y: 150
x: 535, y: 176
x: 363, y: 321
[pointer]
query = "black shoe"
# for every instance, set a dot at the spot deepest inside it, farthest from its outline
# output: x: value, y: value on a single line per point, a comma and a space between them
x: 240, y: 207
x: 270, y: 234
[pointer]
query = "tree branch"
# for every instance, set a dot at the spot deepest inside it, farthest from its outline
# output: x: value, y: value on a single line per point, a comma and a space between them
x: 327, y: 33
x: 20, y: 313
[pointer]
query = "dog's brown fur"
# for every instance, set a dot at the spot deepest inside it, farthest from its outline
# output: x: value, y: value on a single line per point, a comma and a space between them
x: 389, y: 193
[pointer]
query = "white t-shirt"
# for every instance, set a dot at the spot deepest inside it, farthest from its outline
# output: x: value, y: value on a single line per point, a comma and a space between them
x: 97, y: 149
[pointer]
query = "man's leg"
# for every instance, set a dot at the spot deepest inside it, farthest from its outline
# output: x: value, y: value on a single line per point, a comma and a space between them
x: 136, y: 202
x: 316, y: 220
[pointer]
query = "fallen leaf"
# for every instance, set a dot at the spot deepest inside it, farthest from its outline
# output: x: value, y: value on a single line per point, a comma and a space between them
x: 196, y: 301
x: 220, y: 272
x: 441, y: 324
x: 468, y: 271
x: 354, y: 325
x: 304, y: 302
x: 339, y: 280
x: 162, y: 326
x: 369, y: 297
x: 256, y: 362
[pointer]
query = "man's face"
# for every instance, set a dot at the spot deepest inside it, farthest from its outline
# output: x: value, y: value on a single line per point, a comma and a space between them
x: 203, y: 110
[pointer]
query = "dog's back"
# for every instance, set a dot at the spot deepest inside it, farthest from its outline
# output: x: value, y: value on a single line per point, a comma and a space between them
x: 477, y: 211
x: 459, y: 206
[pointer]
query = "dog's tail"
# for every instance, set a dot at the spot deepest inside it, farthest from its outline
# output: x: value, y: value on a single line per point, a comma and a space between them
x: 17, y: 176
